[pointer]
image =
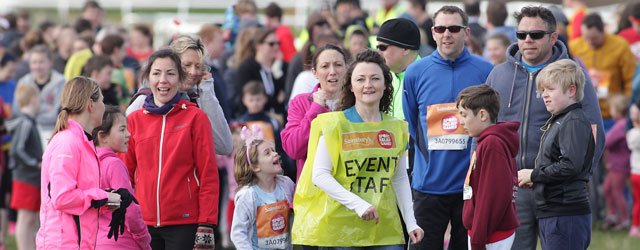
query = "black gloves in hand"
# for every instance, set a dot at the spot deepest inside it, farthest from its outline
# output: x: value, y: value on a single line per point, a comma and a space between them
x: 117, y: 223
x: 125, y: 197
x: 118, y: 215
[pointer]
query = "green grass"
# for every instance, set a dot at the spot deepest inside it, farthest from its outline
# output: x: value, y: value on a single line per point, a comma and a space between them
x: 600, y: 240
x: 612, y: 240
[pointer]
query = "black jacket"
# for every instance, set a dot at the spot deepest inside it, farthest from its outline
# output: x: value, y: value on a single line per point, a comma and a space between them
x: 563, y: 165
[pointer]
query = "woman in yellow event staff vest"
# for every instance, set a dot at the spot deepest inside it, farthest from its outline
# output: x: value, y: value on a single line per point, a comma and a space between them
x: 354, y: 178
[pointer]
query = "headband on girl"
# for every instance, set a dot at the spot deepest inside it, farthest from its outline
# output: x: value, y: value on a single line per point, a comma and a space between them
x: 249, y: 136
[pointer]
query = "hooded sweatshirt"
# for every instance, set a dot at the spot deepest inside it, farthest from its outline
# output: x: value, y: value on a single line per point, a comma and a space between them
x: 519, y: 101
x: 490, y: 215
x: 50, y: 95
x: 432, y: 81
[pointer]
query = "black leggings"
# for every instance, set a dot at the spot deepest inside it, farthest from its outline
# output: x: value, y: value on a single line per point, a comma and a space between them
x: 177, y: 237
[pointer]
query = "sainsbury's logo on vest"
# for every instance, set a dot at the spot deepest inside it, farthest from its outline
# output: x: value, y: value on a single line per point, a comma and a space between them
x: 367, y: 140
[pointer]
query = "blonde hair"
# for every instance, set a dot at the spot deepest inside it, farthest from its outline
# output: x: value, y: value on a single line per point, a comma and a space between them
x: 75, y: 94
x: 242, y: 171
x: 184, y: 43
x: 24, y: 93
x: 246, y: 7
x: 619, y: 103
x: 562, y: 73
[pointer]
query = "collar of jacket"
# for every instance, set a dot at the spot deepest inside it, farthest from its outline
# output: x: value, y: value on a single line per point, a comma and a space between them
x: 463, y: 57
x: 567, y: 109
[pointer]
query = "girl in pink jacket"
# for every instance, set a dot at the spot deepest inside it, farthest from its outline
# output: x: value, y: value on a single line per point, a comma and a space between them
x: 70, y: 189
x: 113, y: 137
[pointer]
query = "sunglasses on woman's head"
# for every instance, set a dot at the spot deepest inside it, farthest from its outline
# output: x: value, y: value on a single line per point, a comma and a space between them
x: 534, y: 34
x: 452, y: 28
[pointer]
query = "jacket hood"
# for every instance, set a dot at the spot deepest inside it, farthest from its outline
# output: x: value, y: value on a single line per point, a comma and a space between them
x: 559, y: 51
x: 507, y: 131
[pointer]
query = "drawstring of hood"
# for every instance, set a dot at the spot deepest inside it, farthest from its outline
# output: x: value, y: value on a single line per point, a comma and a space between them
x: 513, y: 83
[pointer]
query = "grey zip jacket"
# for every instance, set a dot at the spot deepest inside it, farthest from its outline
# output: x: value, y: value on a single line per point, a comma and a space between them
x: 520, y: 101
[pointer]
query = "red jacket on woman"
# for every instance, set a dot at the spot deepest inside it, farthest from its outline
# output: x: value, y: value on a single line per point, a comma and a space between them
x: 171, y: 160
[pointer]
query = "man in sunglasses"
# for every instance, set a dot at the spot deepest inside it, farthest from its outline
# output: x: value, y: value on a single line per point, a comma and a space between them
x: 442, y: 154
x: 399, y: 42
x: 515, y: 81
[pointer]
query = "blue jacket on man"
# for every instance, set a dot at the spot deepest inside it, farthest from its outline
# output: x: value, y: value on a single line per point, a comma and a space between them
x: 429, y: 81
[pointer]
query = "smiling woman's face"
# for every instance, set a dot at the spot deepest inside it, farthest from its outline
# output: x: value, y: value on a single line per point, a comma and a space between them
x: 367, y: 84
x: 163, y: 80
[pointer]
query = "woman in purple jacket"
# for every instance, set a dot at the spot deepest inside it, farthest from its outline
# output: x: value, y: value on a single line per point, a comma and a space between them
x: 329, y: 67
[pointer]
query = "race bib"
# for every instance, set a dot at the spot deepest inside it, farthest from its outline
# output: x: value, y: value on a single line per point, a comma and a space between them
x: 272, y: 224
x: 601, y: 80
x: 444, y: 130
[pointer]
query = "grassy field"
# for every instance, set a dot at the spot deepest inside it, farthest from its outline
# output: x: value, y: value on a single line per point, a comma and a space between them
x: 601, y: 240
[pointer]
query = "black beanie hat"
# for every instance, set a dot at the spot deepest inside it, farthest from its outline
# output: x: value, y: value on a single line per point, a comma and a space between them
x: 400, y: 32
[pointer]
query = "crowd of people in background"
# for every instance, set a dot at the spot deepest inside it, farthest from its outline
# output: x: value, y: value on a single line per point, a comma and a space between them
x: 391, y: 129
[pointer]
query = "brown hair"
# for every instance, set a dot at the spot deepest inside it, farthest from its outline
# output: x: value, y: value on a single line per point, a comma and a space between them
x: 110, y: 43
x: 74, y: 98
x: 253, y: 88
x: 480, y: 97
x: 448, y: 9
x: 497, y: 12
x: 164, y: 53
x: 208, y: 30
x: 96, y: 63
x: 145, y: 30
x: 242, y: 171
x: 368, y: 56
x: 244, y: 48
x: 24, y: 93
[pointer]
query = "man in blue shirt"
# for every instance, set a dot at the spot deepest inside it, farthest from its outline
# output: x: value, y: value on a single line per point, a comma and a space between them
x: 441, y: 158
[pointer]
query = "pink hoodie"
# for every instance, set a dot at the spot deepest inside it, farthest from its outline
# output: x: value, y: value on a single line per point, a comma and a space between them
x: 295, y: 136
x: 115, y: 175
x: 70, y: 174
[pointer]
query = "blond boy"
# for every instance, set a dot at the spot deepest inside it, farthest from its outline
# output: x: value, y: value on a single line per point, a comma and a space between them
x: 563, y: 164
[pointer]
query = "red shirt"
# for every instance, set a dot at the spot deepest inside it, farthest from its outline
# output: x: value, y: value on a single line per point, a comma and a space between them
x: 633, y: 38
x: 286, y: 42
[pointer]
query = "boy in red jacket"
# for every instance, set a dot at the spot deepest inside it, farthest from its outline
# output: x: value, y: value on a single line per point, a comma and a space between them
x: 489, y: 212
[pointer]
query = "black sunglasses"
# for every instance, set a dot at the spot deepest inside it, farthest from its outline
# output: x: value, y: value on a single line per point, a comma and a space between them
x: 452, y: 29
x: 382, y: 47
x: 534, y: 34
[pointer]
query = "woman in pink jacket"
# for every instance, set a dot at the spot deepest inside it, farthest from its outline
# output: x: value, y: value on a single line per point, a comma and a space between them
x: 328, y: 66
x: 70, y: 189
